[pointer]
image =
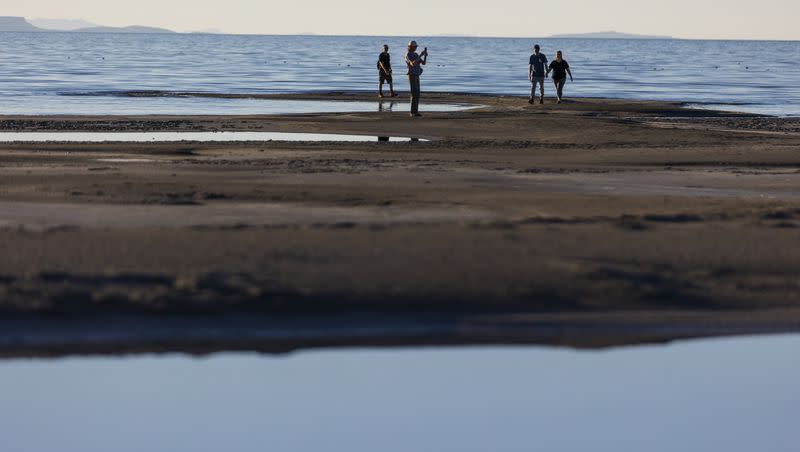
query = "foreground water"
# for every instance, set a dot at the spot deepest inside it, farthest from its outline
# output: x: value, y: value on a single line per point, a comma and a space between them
x: 732, y: 395
x: 116, y: 104
x: 41, y: 73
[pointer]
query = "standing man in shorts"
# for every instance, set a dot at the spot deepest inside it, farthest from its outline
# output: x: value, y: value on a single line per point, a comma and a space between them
x: 537, y: 72
x: 385, y: 72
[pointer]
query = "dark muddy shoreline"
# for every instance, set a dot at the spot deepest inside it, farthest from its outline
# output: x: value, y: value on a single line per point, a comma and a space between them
x: 588, y: 224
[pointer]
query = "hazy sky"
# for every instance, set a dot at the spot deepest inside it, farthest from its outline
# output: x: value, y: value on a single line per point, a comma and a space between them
x: 734, y: 19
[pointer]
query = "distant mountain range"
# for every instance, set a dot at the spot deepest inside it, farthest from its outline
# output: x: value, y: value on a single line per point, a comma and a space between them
x: 62, y: 24
x: 16, y: 24
x: 20, y: 24
x: 608, y: 35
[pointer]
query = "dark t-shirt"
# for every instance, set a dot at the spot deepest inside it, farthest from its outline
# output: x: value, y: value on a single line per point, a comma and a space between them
x: 559, y: 69
x: 538, y: 63
x: 386, y: 60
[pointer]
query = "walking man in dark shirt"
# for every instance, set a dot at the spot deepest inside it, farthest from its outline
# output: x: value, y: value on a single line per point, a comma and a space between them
x: 537, y: 72
x: 385, y: 72
x: 560, y: 69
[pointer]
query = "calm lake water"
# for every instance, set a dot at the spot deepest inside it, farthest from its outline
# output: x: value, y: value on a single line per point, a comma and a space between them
x: 716, y: 395
x: 40, y: 73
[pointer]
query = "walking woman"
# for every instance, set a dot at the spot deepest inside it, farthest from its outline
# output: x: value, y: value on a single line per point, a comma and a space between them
x: 415, y: 62
x: 560, y: 69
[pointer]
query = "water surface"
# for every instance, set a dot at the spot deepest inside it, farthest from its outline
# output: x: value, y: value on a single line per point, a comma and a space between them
x: 148, y: 137
x: 728, y: 395
x: 118, y: 104
x: 42, y: 72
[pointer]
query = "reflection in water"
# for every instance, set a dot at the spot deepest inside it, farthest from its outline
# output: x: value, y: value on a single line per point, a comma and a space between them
x: 188, y: 105
x: 732, y: 395
x: 387, y: 106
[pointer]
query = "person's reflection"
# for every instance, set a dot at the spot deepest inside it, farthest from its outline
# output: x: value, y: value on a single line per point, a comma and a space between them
x: 385, y: 105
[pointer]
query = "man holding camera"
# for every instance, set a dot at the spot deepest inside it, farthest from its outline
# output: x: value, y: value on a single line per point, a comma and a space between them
x: 414, y: 62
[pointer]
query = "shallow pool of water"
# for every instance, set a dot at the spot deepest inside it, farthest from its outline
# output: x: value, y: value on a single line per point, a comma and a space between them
x: 174, y: 105
x: 714, y: 395
x: 768, y: 109
x: 147, y: 137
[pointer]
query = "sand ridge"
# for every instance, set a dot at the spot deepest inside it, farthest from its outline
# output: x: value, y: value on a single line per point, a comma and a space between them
x: 592, y: 206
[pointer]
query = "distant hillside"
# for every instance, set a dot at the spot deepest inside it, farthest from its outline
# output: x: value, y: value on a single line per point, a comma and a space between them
x: 608, y: 35
x: 62, y: 24
x: 19, y: 24
x: 16, y: 24
x: 131, y: 29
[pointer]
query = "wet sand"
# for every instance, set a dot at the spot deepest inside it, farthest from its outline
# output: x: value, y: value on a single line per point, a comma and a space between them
x: 591, y: 223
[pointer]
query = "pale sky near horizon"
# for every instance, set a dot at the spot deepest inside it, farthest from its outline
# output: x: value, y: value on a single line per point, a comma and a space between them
x: 700, y: 19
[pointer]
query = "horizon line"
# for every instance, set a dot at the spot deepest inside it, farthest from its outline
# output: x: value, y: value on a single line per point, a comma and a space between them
x: 633, y: 36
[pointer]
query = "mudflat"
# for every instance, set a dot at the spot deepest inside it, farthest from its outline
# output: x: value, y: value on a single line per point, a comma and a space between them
x: 594, y: 222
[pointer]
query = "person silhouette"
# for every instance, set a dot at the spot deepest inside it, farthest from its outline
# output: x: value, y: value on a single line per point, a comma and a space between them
x: 537, y: 72
x: 414, y: 62
x: 385, y: 72
x: 560, y: 69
